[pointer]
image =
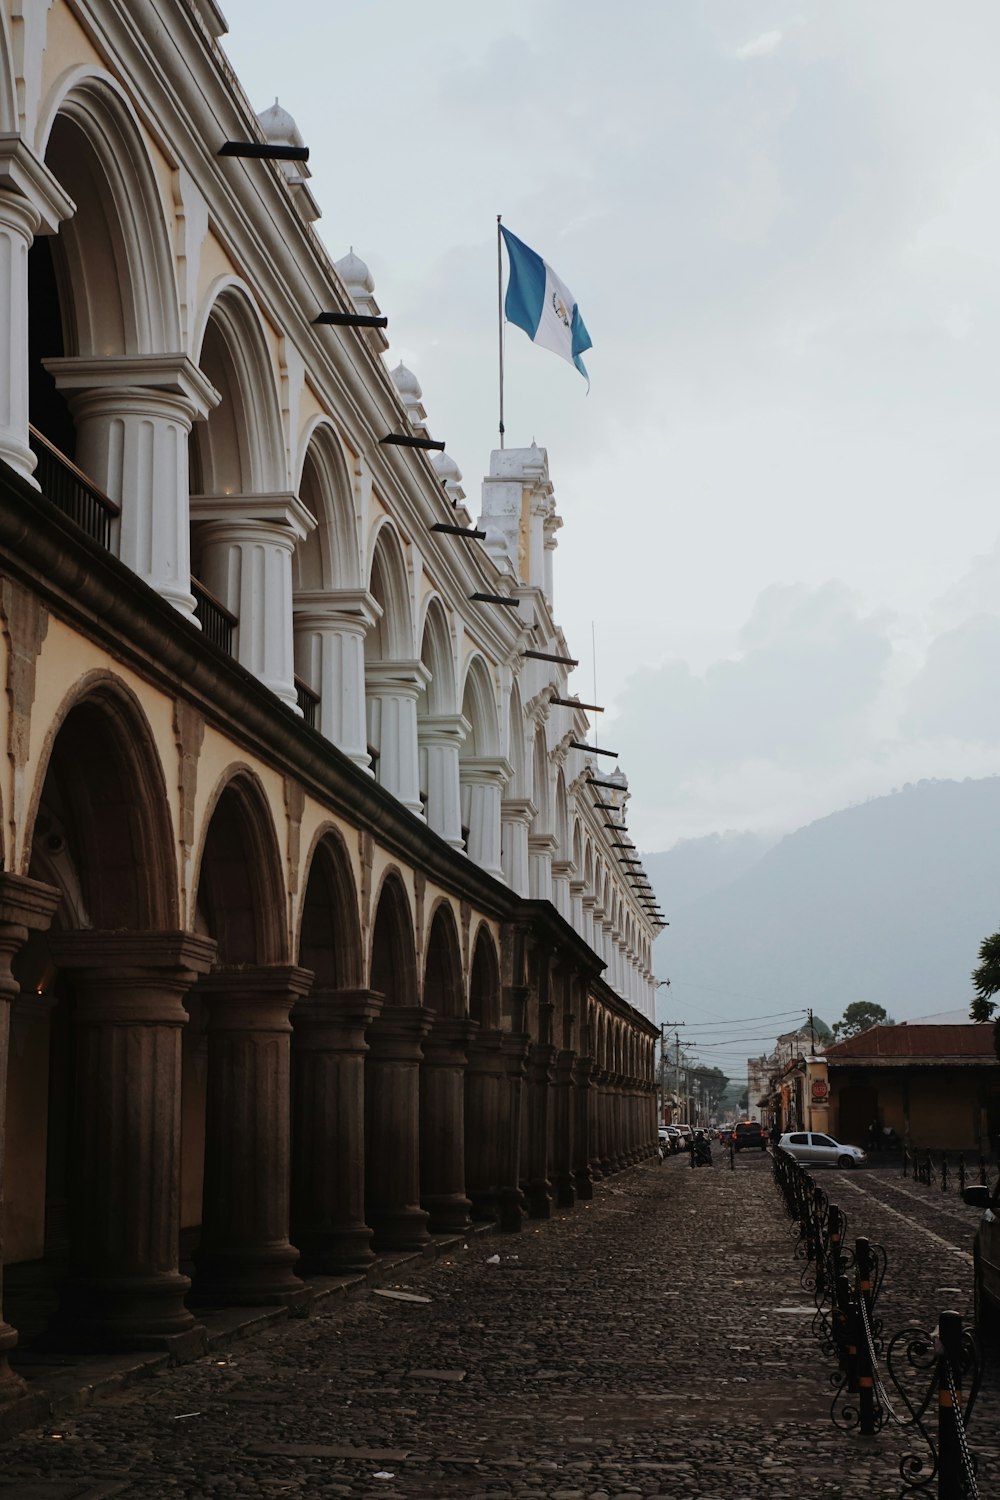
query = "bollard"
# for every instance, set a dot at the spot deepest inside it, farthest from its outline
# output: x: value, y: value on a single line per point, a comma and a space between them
x: 906, y: 1160
x: 982, y: 1170
x: 847, y: 1329
x: 732, y: 1155
x: 950, y: 1476
x: 944, y: 1174
x: 835, y: 1232
x: 961, y: 1173
x: 866, y: 1374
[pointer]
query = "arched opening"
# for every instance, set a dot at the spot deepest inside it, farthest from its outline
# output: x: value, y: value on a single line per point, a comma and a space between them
x: 442, y: 1080
x: 440, y: 731
x: 394, y: 679
x: 237, y: 1101
x: 486, y: 1095
x: 330, y: 935
x: 392, y: 1080
x: 483, y: 772
x: 94, y: 1189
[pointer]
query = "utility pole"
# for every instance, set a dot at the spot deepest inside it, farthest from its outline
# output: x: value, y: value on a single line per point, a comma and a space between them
x: 665, y: 1028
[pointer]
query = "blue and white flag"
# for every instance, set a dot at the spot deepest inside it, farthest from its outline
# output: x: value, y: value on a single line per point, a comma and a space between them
x: 542, y: 305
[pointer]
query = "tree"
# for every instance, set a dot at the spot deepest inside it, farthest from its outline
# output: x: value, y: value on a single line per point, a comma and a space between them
x: 860, y: 1016
x: 744, y: 1102
x: 986, y: 978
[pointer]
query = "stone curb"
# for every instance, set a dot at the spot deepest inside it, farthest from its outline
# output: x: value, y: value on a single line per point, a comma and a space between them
x: 84, y: 1379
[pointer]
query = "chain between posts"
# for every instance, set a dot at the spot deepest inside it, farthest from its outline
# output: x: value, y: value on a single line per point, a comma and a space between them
x: 916, y: 1362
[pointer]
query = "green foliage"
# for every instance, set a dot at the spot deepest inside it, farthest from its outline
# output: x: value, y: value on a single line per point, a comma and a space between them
x: 861, y: 1015
x: 744, y: 1103
x: 986, y: 978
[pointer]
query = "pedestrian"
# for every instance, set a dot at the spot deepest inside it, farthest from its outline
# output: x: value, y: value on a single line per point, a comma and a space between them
x: 659, y: 1155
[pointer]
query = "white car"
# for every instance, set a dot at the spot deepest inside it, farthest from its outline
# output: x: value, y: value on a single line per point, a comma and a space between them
x: 813, y: 1149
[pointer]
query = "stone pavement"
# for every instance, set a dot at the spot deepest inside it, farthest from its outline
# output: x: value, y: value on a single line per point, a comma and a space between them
x: 656, y: 1342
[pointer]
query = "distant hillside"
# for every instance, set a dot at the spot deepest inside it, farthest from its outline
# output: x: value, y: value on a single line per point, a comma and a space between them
x: 695, y: 867
x: 887, y: 902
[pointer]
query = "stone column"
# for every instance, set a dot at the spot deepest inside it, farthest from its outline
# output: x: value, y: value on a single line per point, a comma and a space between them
x: 583, y: 1172
x: 607, y: 1158
x: 588, y: 903
x: 541, y: 848
x: 440, y: 742
x: 393, y: 688
x: 328, y: 1129
x: 483, y: 780
x: 577, y: 890
x: 515, y: 820
x: 31, y: 200
x: 561, y: 887
x: 245, y: 545
x: 442, y: 1124
x: 124, y: 1288
x: 245, y: 1256
x: 564, y: 1108
x: 483, y: 1078
x: 133, y: 417
x: 392, y: 1127
x: 25, y: 906
x: 538, y: 1185
x: 330, y: 627
x: 510, y: 1198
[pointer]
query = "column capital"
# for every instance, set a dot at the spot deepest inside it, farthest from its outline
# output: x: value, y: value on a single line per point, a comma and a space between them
x: 354, y: 609
x: 279, y: 517
x: 405, y: 678
x: 518, y: 810
x: 542, y: 843
x: 24, y: 175
x: 443, y: 729
x: 335, y: 1020
x: 140, y: 375
x: 488, y: 770
x: 130, y: 954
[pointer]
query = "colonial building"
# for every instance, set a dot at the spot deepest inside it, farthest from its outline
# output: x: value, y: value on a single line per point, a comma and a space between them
x: 320, y: 932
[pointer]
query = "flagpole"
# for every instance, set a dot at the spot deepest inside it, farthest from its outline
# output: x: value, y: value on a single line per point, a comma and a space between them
x: 500, y: 321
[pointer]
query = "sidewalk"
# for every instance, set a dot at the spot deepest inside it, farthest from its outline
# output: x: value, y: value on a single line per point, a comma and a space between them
x: 654, y: 1343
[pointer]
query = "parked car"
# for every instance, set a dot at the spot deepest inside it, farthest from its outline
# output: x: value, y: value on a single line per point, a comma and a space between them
x: 673, y: 1139
x: 986, y: 1254
x: 814, y: 1149
x: 686, y: 1135
x: 749, y: 1133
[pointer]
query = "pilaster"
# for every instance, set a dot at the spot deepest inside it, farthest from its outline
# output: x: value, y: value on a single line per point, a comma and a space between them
x: 440, y: 740
x: 392, y: 1127
x: 393, y: 688
x: 483, y: 780
x: 442, y: 1124
x: 515, y: 820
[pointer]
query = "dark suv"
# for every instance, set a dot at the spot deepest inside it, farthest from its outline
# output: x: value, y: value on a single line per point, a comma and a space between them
x: 749, y: 1133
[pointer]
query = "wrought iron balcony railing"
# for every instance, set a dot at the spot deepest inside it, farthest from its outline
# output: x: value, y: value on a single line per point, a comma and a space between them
x: 308, y: 702
x: 71, y: 491
x: 216, y: 621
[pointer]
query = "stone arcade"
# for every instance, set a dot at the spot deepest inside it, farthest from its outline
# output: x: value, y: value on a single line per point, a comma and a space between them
x: 316, y: 938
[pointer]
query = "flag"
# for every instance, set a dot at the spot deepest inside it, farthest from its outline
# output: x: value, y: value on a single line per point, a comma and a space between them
x: 542, y: 305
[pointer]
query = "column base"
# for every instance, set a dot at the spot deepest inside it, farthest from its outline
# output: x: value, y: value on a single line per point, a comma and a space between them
x: 11, y: 1386
x: 140, y: 1312
x: 337, y: 1252
x: 449, y: 1213
x: 539, y: 1197
x: 241, y: 1278
x: 584, y: 1184
x: 400, y: 1229
x: 565, y: 1192
x: 485, y: 1206
x: 511, y: 1209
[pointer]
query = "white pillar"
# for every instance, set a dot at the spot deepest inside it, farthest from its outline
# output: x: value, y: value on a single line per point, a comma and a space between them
x: 133, y: 418
x: 560, y: 886
x: 515, y: 820
x: 483, y: 780
x: 589, y: 936
x: 440, y: 738
x: 541, y: 847
x: 30, y: 200
x: 576, y: 892
x: 393, y: 688
x: 330, y: 629
x: 245, y: 545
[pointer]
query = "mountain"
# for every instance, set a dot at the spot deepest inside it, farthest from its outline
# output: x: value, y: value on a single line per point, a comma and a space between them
x: 694, y: 867
x: 887, y: 901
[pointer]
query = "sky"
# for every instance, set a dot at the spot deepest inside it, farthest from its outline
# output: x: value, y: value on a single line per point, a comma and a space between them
x: 781, y: 222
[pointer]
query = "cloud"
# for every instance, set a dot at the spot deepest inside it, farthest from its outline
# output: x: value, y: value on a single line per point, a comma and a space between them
x: 762, y: 46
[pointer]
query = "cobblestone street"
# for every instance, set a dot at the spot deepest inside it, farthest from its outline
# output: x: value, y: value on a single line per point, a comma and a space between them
x: 654, y: 1343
